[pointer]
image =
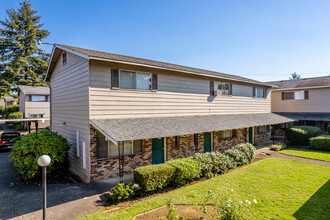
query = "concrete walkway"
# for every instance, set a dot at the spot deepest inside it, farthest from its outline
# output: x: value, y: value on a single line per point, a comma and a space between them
x: 260, y: 154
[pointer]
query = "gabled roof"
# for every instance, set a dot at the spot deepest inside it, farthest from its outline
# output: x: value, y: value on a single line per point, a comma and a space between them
x: 145, y: 128
x: 98, y: 55
x: 323, y: 81
x: 34, y: 90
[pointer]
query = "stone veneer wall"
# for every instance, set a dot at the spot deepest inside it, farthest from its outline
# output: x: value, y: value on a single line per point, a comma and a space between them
x: 261, y: 137
x: 109, y: 167
x: 225, y: 144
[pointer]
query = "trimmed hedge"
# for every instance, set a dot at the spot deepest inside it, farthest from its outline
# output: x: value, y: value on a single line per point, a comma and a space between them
x: 122, y: 191
x: 154, y: 177
x: 321, y: 142
x: 302, y: 134
x: 30, y: 147
x: 187, y: 169
x: 180, y: 171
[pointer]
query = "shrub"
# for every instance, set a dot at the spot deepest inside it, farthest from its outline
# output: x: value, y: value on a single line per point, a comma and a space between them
x: 30, y: 147
x: 173, y: 213
x: 302, y: 134
x: 248, y: 149
x: 122, y: 191
x: 19, y: 127
x: 220, y: 162
x: 154, y: 177
x: 322, y: 142
x: 328, y: 128
x: 187, y: 169
x: 15, y: 115
x: 205, y: 164
x: 239, y: 157
x: 9, y: 109
x: 278, y: 147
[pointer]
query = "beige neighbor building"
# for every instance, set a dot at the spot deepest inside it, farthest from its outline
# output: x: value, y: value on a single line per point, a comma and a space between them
x: 121, y: 112
x: 307, y: 101
x: 34, y: 102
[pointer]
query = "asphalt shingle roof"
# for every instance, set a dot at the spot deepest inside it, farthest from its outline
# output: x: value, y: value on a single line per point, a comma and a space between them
x: 175, y: 67
x: 144, y: 128
x: 302, y: 83
x: 309, y: 116
x: 34, y: 90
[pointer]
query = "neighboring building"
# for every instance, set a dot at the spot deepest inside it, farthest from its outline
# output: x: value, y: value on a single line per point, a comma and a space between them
x: 153, y: 111
x: 34, y: 102
x: 305, y: 100
x: 8, y: 100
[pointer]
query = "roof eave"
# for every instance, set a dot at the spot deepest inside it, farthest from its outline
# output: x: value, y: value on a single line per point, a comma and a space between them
x: 302, y: 88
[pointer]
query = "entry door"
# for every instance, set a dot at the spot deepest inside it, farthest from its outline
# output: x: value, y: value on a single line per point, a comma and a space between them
x: 157, y: 150
x: 251, y: 135
x: 207, y: 142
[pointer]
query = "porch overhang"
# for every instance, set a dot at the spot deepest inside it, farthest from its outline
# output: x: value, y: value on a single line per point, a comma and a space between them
x: 308, y: 116
x: 145, y: 128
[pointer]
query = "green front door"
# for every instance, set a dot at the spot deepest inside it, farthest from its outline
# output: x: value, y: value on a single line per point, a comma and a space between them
x: 157, y: 150
x: 207, y: 142
x: 251, y: 135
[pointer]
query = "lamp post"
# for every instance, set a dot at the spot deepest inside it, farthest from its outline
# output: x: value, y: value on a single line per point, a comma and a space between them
x: 44, y: 161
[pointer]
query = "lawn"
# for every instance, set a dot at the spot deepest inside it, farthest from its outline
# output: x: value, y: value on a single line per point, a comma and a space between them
x: 307, y: 153
x: 284, y: 189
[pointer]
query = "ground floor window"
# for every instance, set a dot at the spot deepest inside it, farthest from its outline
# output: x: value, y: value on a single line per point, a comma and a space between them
x: 226, y: 134
x: 263, y: 129
x: 36, y: 115
x: 107, y: 149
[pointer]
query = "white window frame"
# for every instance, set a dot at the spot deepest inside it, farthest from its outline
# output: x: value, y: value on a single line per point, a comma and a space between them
x: 135, y: 72
x: 84, y: 154
x: 132, y: 149
x: 259, y: 89
x: 232, y: 134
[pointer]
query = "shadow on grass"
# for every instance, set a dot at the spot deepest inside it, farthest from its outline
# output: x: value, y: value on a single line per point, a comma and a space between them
x: 318, y: 206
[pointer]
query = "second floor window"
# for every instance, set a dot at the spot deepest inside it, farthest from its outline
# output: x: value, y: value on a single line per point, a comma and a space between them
x: 296, y: 95
x: 260, y: 92
x: 134, y: 80
x: 224, y: 88
x: 38, y: 98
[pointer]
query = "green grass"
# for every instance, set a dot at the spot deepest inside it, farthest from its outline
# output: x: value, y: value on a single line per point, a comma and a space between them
x: 284, y: 189
x: 307, y: 153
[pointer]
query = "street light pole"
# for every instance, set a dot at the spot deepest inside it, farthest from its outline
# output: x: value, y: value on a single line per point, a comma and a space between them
x: 44, y: 161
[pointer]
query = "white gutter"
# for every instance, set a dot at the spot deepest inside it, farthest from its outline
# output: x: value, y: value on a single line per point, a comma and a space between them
x: 103, y: 132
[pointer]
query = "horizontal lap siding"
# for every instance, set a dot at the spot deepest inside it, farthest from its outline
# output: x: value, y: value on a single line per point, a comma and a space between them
x: 177, y: 95
x: 318, y: 101
x: 37, y: 108
x: 70, y: 104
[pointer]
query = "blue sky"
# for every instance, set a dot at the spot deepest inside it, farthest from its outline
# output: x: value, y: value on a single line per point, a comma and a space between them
x: 264, y: 40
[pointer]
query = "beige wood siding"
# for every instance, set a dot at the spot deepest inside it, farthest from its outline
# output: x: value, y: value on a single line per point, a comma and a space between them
x: 21, y: 101
x: 177, y: 95
x: 37, y: 108
x: 70, y: 105
x: 319, y: 101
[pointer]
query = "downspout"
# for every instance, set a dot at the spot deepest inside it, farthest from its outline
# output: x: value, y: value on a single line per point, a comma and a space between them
x: 50, y: 106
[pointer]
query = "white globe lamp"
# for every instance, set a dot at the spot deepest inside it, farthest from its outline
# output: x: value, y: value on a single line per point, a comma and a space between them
x: 44, y: 160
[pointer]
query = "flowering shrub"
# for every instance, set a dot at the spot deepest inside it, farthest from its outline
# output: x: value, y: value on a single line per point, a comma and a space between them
x: 239, y: 157
x: 226, y: 207
x: 246, y: 148
x: 205, y: 163
x: 278, y: 147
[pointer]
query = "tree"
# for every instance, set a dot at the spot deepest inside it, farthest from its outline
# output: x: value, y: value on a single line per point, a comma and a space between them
x: 294, y: 76
x: 21, y: 61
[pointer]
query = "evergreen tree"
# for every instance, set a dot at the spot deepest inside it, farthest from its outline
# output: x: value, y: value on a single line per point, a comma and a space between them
x: 21, y: 61
x: 294, y: 76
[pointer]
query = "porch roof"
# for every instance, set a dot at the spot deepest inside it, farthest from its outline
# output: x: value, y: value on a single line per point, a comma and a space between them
x: 145, y: 128
x: 308, y: 116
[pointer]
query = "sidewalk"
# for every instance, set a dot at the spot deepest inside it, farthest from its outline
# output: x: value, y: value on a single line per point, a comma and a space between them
x: 269, y: 153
